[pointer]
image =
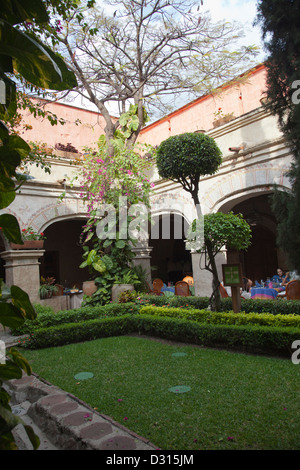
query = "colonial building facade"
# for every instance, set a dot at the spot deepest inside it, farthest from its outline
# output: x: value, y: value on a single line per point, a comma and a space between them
x: 255, y: 160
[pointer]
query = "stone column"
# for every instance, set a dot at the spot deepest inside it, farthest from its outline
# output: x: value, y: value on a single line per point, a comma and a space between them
x: 143, y: 258
x: 22, y: 269
x: 202, y: 277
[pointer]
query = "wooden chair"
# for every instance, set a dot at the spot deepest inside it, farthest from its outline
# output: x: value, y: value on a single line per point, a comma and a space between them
x: 59, y: 291
x: 223, y: 291
x: 292, y: 290
x: 182, y: 288
x: 152, y: 291
x: 157, y: 284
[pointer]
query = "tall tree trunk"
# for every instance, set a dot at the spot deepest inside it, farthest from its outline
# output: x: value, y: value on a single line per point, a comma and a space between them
x: 194, y: 193
x: 215, y: 297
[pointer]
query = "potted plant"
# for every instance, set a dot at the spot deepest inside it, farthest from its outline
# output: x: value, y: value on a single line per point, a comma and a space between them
x: 47, y: 287
x: 221, y: 118
x: 93, y: 261
x: 32, y: 240
x: 123, y: 283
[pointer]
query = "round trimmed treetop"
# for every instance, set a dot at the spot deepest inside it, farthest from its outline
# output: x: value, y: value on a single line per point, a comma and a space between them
x: 188, y: 155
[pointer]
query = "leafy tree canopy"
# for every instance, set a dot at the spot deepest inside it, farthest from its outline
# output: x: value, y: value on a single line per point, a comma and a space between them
x: 146, y: 53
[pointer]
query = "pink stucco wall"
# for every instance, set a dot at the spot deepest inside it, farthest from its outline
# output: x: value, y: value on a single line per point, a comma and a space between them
x: 86, y: 133
x: 240, y: 98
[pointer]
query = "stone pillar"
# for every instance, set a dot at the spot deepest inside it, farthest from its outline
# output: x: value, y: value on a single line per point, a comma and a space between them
x: 202, y: 277
x: 22, y: 269
x: 143, y: 258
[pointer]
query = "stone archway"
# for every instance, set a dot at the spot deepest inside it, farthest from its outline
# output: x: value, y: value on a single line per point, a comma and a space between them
x: 63, y: 253
x: 263, y: 256
x: 170, y: 260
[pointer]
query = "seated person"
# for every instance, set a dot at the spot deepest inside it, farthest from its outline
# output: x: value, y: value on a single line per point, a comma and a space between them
x: 246, y: 289
x: 280, y: 278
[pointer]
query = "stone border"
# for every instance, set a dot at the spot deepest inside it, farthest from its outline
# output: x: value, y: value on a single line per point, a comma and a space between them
x: 69, y: 423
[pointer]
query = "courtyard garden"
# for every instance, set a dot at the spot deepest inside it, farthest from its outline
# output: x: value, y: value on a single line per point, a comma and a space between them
x: 176, y: 373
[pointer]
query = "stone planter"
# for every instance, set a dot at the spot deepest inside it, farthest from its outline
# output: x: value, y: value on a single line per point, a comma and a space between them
x: 89, y: 288
x: 46, y: 295
x: 118, y: 288
x: 222, y: 120
x: 68, y: 155
x: 28, y: 245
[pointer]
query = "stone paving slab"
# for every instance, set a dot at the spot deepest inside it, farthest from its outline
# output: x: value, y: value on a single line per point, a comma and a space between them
x: 67, y: 422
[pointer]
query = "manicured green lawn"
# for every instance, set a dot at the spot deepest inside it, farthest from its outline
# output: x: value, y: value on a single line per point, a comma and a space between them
x: 236, y: 401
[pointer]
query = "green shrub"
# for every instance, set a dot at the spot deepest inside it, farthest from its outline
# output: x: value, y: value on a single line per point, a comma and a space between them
x: 76, y: 332
x: 278, y: 306
x: 225, y: 318
x: 46, y: 320
x: 259, y: 339
x: 175, y: 301
x: 43, y: 309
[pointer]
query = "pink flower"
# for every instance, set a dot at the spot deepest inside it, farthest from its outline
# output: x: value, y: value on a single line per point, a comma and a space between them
x: 125, y: 418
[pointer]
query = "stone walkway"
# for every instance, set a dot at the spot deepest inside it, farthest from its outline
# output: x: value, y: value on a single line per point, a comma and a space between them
x: 62, y: 421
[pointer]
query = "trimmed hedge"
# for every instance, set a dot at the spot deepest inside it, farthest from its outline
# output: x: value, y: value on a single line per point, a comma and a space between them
x: 174, y: 301
x: 77, y: 315
x: 277, y: 306
x: 68, y: 333
x: 256, y: 339
x: 226, y: 318
x: 259, y: 313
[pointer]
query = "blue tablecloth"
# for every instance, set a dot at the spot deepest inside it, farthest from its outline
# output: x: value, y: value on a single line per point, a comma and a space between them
x: 168, y: 289
x: 263, y: 293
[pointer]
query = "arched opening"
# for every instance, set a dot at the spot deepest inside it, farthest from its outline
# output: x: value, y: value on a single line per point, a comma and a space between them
x: 263, y: 256
x: 63, y: 253
x: 170, y: 260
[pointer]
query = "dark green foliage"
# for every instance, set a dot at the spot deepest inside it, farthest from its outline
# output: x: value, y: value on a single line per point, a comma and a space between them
x: 259, y: 339
x: 226, y: 318
x: 280, y: 23
x: 230, y: 230
x: 48, y: 319
x: 184, y: 158
x: 188, y: 155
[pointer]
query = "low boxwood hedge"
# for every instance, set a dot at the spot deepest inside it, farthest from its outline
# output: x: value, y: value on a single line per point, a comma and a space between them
x: 277, y: 306
x: 47, y: 319
x: 247, y: 338
x: 267, y: 309
x: 226, y: 318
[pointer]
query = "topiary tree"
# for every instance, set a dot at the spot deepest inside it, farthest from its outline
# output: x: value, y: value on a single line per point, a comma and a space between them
x: 220, y: 230
x: 184, y: 158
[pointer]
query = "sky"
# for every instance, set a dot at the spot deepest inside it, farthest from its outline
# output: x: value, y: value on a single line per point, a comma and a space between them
x: 242, y: 11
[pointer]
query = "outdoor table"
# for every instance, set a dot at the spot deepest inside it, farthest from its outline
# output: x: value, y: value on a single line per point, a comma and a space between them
x: 263, y: 293
x: 168, y: 289
x: 75, y: 299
